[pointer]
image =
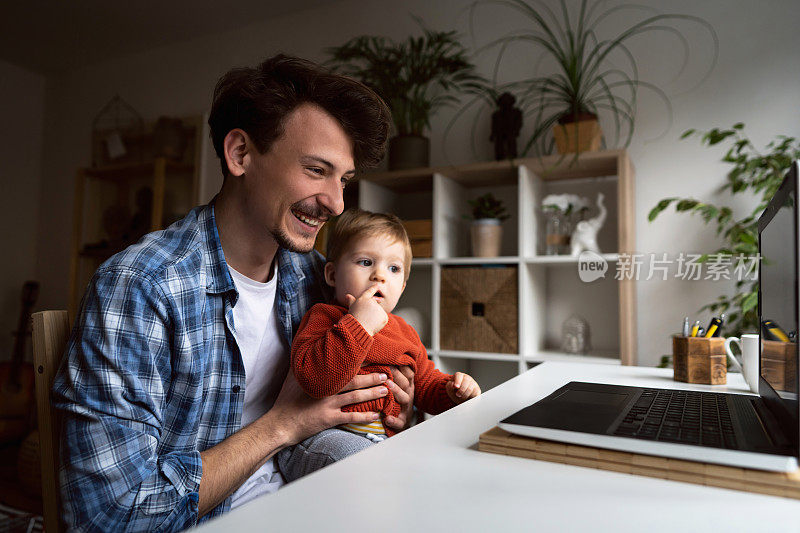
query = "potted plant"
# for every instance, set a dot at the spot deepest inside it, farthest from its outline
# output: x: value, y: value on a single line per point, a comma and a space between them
x: 589, y: 73
x: 415, y: 77
x: 486, y: 232
x: 753, y: 172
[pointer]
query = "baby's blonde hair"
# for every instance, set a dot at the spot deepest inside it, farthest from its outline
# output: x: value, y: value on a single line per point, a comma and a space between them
x: 360, y: 223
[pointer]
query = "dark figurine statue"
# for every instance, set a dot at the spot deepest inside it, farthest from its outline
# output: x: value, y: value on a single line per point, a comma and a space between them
x: 506, y: 125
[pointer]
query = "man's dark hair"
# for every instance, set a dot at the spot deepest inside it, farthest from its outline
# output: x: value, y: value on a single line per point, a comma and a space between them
x: 258, y: 100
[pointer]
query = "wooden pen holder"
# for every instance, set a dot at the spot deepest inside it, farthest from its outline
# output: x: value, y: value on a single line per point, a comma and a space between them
x: 700, y: 360
x: 779, y: 364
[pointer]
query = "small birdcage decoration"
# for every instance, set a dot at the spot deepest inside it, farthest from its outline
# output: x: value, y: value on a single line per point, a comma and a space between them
x: 117, y: 134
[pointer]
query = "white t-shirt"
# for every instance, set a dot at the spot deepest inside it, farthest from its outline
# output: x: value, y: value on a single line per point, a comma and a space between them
x: 265, y: 355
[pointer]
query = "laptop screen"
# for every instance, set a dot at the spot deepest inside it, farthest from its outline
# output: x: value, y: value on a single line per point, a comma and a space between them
x: 778, y: 301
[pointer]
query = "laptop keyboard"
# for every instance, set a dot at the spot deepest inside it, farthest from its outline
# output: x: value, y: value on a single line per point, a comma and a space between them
x: 685, y: 417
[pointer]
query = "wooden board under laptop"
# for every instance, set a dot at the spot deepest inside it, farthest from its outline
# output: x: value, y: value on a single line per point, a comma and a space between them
x: 783, y: 484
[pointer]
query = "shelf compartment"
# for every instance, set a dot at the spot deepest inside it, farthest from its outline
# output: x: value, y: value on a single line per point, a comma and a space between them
x: 552, y: 355
x: 564, y: 259
x: 550, y: 168
x: 484, y: 356
x: 588, y: 188
x: 472, y: 261
x: 452, y: 214
x: 487, y: 372
x: 567, y: 295
x: 408, y: 205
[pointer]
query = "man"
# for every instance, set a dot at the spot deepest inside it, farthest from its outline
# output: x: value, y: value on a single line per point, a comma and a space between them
x: 174, y: 390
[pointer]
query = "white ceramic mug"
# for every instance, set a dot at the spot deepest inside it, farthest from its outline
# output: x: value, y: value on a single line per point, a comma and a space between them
x: 748, y: 362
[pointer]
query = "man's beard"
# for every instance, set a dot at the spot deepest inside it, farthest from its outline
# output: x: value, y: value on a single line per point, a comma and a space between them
x: 284, y: 241
x: 282, y: 237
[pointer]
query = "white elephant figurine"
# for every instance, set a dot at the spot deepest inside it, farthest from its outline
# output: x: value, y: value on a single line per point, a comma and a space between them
x: 585, y: 235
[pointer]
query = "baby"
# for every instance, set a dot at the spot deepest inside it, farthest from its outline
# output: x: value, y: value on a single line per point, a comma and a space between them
x: 368, y: 263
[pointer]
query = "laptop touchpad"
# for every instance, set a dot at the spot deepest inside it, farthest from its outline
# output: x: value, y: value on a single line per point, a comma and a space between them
x: 594, y: 398
x: 588, y: 411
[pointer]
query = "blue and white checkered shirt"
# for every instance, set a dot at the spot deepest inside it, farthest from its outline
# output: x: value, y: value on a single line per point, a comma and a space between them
x: 153, y: 376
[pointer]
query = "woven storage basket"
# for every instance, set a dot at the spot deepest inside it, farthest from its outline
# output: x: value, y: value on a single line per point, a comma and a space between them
x: 479, y: 310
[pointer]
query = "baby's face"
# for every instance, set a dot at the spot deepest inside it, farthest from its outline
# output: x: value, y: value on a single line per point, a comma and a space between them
x: 368, y: 261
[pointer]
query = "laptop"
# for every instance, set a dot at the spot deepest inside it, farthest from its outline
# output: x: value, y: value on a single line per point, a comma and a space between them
x: 750, y: 431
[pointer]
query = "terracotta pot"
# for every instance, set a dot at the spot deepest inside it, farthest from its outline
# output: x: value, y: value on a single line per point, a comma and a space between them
x: 581, y: 136
x: 487, y: 234
x: 409, y: 151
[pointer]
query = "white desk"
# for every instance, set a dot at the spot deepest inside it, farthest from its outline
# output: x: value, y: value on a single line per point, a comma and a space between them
x: 432, y: 478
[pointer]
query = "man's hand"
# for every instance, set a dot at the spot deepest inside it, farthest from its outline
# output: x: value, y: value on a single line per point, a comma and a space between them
x: 294, y: 417
x: 402, y: 387
x: 301, y: 416
x: 367, y: 310
x: 462, y: 387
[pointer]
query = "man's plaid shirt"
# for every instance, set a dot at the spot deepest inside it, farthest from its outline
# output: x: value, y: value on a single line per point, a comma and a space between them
x: 152, y: 376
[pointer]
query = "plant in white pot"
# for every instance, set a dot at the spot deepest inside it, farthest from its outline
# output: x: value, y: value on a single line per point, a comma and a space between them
x: 415, y: 77
x: 486, y: 231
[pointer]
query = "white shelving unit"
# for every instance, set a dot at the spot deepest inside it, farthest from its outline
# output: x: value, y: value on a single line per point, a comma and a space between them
x: 549, y: 287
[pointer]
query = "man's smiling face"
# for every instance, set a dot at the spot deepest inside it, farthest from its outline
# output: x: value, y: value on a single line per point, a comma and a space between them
x: 294, y: 187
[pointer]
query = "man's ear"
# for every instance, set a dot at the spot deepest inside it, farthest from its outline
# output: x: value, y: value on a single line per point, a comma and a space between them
x: 330, y: 271
x: 236, y: 146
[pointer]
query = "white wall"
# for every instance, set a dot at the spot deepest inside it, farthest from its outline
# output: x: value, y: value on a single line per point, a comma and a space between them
x: 755, y: 81
x: 22, y: 109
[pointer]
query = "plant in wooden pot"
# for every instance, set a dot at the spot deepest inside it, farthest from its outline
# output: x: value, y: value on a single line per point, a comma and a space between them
x: 583, y: 73
x: 486, y: 231
x: 415, y: 77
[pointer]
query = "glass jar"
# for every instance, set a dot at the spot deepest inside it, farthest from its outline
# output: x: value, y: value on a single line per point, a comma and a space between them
x: 557, y: 232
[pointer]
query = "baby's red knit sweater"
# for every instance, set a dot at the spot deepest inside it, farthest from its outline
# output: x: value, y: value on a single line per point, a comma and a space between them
x: 331, y: 348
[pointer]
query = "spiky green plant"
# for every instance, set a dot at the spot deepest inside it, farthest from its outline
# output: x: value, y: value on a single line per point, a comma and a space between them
x: 591, y: 74
x: 754, y: 172
x: 415, y: 77
x: 487, y: 206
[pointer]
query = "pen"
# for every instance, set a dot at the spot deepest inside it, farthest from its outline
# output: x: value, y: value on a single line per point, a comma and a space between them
x: 695, y: 328
x: 714, y: 326
x: 685, y: 330
x: 773, y: 331
x: 723, y: 318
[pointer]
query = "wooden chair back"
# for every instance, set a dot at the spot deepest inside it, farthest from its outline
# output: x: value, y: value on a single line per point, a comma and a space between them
x: 50, y: 334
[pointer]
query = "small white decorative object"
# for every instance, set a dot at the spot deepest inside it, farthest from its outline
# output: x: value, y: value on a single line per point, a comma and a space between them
x: 575, y: 335
x: 415, y: 319
x: 585, y: 235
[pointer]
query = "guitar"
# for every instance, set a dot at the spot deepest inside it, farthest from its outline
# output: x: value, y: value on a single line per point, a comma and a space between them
x: 17, y: 395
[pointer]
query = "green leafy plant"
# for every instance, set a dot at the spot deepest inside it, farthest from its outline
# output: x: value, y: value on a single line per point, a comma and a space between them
x: 487, y: 206
x: 590, y: 74
x: 415, y: 77
x: 753, y: 172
